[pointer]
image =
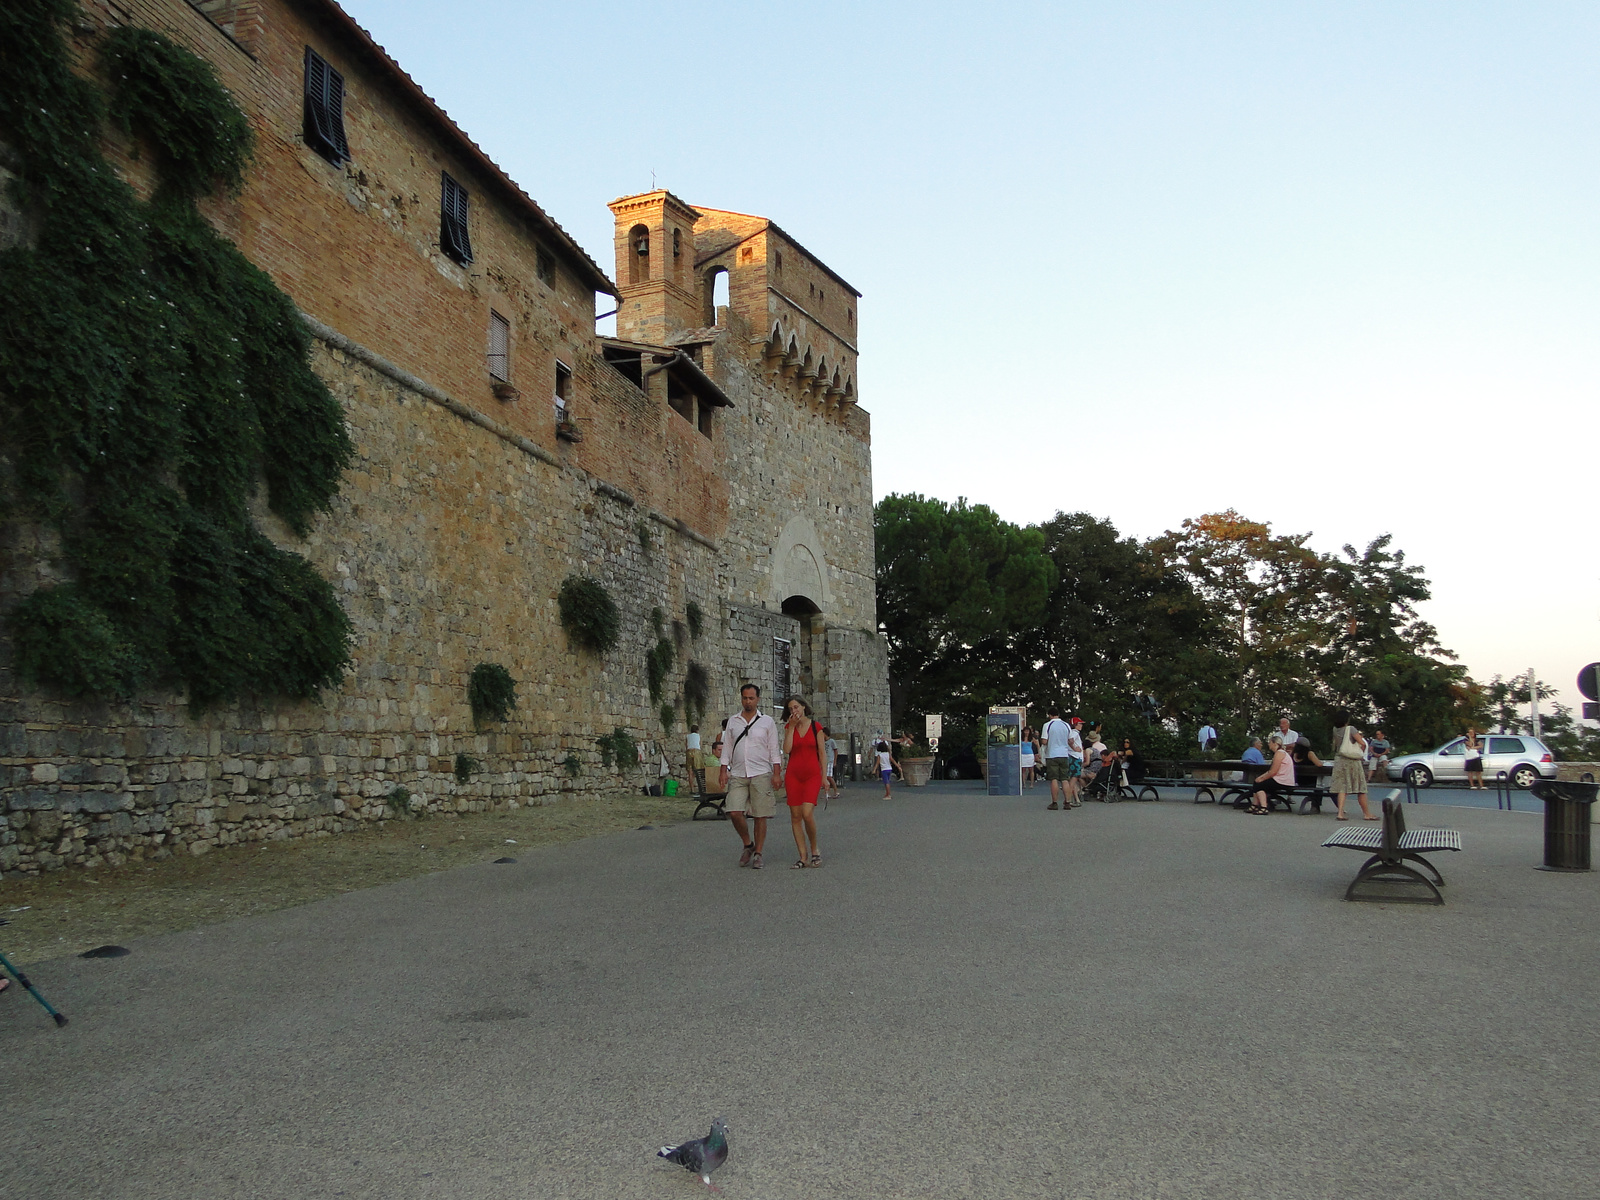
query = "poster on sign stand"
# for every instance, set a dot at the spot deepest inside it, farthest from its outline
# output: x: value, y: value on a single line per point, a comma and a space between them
x: 1003, y: 745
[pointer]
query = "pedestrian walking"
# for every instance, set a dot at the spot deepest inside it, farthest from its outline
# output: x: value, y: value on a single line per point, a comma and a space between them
x: 1349, y: 766
x: 1378, y: 748
x: 830, y: 760
x: 1208, y: 736
x: 752, y: 771
x: 1474, y: 764
x: 1277, y: 780
x: 887, y: 765
x: 1060, y: 767
x: 803, y: 751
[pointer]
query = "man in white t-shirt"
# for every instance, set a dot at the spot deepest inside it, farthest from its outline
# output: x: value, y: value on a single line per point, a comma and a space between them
x: 1061, y: 767
x: 1289, y: 736
x: 752, y: 772
x: 1208, y: 736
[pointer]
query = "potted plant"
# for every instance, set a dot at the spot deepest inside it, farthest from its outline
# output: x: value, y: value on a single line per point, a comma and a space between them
x: 917, y: 763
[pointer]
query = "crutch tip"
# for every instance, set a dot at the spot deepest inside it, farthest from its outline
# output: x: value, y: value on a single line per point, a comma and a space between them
x: 60, y: 1019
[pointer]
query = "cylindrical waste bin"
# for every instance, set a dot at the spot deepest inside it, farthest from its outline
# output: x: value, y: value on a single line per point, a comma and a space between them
x: 1566, y: 823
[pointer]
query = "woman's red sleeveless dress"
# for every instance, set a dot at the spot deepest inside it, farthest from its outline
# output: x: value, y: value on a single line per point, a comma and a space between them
x: 803, y: 778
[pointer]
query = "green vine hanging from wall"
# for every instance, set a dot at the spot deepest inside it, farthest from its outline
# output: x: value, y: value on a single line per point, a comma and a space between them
x: 151, y: 379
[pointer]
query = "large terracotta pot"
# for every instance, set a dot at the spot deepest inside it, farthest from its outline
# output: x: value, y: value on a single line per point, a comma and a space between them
x: 917, y: 770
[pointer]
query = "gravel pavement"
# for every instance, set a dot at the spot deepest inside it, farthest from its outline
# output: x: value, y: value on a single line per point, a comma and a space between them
x: 974, y: 997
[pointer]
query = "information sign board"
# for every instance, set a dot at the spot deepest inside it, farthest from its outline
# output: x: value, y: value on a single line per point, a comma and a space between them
x: 1004, y: 751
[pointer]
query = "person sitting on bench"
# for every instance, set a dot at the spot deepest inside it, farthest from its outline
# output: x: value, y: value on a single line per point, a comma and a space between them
x: 1276, y: 781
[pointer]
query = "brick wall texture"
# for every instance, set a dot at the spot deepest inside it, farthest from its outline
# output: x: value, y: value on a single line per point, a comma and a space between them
x: 463, y: 512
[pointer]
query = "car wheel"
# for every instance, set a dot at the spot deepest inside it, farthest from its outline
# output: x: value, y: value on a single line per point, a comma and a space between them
x: 1419, y: 776
x: 1523, y: 775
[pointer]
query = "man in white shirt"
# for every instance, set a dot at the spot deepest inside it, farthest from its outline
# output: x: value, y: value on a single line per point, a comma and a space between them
x: 832, y: 749
x: 1061, y: 766
x: 752, y: 772
x: 1289, y: 736
x: 1208, y: 735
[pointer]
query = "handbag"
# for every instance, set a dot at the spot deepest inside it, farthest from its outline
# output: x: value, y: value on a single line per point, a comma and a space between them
x: 1348, y: 747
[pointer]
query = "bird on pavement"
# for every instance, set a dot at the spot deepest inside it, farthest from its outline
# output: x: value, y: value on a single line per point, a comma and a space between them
x: 702, y: 1155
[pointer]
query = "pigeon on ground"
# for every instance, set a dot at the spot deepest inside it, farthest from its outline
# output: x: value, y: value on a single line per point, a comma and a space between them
x: 703, y: 1155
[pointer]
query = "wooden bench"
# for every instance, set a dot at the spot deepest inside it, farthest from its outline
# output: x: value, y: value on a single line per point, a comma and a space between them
x: 1393, y: 846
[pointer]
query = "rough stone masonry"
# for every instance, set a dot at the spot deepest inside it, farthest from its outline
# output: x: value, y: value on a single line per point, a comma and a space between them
x: 712, y: 454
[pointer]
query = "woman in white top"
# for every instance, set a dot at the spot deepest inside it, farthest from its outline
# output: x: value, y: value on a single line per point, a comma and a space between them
x: 697, y: 771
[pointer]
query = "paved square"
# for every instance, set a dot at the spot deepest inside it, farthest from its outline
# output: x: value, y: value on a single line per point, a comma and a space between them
x: 975, y: 997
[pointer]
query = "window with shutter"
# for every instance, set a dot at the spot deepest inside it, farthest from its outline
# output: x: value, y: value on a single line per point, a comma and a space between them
x: 324, y: 109
x: 499, y: 347
x: 453, y: 239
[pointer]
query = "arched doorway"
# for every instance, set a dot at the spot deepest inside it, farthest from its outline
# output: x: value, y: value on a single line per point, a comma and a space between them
x: 805, y: 655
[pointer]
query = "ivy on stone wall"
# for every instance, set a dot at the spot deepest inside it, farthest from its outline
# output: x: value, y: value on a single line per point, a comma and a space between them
x: 588, y: 613
x: 151, y: 379
x: 658, y: 664
x: 696, y: 620
x: 696, y: 691
x: 492, y: 693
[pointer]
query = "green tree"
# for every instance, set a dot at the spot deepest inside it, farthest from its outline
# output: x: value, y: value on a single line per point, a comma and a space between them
x: 955, y: 583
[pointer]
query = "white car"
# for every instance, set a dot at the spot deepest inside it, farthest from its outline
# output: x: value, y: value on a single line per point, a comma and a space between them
x: 1522, y: 758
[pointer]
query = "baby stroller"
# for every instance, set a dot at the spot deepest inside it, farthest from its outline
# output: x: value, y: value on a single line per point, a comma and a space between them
x: 1108, y: 784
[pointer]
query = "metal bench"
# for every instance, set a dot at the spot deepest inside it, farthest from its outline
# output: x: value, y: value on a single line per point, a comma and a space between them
x: 712, y: 801
x: 1393, y: 846
x: 1238, y: 795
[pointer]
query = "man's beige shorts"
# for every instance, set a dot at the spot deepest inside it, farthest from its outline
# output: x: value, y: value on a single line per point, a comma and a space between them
x: 753, y: 796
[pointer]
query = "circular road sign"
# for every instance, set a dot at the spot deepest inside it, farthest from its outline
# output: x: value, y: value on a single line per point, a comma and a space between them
x: 1588, y: 678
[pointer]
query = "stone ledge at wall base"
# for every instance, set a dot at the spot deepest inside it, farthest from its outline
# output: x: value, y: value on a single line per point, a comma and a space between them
x: 917, y: 771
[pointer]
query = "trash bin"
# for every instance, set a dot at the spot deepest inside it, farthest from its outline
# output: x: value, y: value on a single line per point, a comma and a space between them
x: 1566, y: 823
x: 669, y: 787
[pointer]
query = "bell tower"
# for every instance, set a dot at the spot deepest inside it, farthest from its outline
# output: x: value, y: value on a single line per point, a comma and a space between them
x: 657, y: 291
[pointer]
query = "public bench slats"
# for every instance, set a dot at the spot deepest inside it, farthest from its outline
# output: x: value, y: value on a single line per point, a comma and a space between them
x: 1395, y: 846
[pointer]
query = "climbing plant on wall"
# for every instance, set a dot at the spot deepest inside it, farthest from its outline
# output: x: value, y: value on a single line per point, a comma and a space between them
x: 152, y: 379
x: 588, y: 613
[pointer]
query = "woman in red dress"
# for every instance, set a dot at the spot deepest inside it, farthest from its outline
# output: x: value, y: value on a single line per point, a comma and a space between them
x: 803, y: 742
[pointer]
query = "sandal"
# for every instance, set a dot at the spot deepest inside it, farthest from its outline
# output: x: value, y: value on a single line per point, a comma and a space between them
x: 1341, y: 817
x: 799, y: 865
x: 816, y: 860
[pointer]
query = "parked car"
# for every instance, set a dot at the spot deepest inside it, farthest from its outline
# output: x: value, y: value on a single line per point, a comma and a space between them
x: 1522, y: 758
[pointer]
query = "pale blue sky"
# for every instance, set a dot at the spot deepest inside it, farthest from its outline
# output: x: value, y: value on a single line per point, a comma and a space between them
x: 1334, y: 265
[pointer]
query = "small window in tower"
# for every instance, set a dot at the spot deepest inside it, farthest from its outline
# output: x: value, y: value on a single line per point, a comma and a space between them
x: 747, y: 254
x: 545, y: 267
x: 822, y: 297
x: 780, y: 260
x: 563, y: 394
x: 324, y: 109
x: 811, y: 290
x: 677, y: 243
x: 499, y: 347
x: 453, y: 224
x: 850, y: 315
x: 638, y: 254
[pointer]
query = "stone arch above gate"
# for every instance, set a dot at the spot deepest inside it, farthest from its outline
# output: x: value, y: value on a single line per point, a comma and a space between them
x: 799, y: 567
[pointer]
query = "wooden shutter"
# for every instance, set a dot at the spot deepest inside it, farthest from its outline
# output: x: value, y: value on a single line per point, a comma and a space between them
x: 453, y: 221
x: 324, y: 109
x: 499, y: 347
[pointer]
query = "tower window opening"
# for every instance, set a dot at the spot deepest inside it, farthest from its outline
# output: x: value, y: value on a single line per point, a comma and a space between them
x: 747, y: 254
x: 639, y: 259
x: 545, y: 267
x: 677, y: 243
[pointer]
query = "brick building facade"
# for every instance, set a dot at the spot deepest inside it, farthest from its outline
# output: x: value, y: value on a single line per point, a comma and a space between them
x: 707, y: 455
